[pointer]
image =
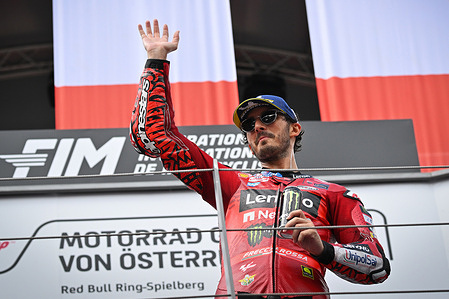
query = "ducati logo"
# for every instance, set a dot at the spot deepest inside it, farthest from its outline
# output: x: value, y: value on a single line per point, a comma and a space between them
x: 69, y: 156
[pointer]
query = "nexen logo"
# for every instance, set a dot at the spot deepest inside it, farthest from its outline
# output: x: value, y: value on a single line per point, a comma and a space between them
x: 69, y: 155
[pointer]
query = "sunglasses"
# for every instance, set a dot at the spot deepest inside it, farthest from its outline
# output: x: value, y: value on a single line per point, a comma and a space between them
x: 267, y: 118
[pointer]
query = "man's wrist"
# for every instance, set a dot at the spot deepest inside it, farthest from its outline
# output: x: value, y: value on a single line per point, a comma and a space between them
x: 157, y: 54
x: 155, y: 63
x: 328, y: 254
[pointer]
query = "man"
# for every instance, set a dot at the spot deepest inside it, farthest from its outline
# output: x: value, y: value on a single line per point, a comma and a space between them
x: 263, y: 261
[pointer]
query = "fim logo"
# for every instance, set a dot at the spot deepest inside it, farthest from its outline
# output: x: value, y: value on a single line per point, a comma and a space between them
x: 258, y: 232
x: 69, y: 156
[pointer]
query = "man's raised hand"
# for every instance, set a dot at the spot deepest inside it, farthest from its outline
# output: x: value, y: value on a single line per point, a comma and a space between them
x: 158, y: 46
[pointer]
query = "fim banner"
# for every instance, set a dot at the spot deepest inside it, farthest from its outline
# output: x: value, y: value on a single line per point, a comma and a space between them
x: 57, y: 153
x: 80, y: 153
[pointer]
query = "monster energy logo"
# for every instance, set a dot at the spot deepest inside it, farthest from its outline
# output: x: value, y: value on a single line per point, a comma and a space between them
x: 258, y: 232
x: 295, y: 199
x: 292, y: 199
x: 291, y: 202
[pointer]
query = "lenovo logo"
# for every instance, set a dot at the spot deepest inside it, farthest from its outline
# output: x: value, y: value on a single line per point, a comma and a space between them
x: 256, y: 199
x: 69, y: 156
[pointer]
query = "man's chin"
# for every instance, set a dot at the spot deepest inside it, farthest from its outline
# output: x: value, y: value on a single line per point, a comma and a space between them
x: 267, y: 154
x: 264, y: 142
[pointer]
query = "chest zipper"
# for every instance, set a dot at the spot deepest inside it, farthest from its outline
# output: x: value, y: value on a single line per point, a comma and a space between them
x: 274, y: 232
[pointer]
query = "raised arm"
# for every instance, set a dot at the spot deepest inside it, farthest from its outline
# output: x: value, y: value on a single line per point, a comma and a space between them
x: 153, y: 131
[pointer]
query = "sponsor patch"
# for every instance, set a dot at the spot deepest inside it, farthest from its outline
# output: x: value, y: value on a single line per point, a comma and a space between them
x: 258, y: 179
x: 356, y: 258
x: 359, y: 247
x: 257, y: 252
x: 307, y: 188
x: 292, y: 197
x: 260, y: 231
x: 259, y: 215
x: 310, y: 203
x: 256, y: 199
x: 369, y: 220
x: 269, y: 174
x: 247, y: 266
x: 295, y: 198
x: 247, y: 280
x: 301, y: 176
x: 321, y: 186
x: 143, y: 102
x: 307, y: 272
x: 291, y: 254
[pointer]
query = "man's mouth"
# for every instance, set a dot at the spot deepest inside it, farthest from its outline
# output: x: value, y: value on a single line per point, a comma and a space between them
x: 263, y: 136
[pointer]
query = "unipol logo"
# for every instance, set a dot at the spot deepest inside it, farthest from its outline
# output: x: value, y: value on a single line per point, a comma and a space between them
x: 68, y: 158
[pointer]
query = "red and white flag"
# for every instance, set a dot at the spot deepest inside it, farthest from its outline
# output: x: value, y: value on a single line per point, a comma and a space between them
x: 98, y: 57
x: 385, y: 59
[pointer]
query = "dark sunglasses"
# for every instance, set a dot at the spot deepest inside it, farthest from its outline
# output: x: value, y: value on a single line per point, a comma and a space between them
x: 267, y: 118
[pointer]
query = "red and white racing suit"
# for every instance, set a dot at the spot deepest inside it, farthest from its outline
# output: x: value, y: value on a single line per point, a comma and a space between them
x: 262, y: 262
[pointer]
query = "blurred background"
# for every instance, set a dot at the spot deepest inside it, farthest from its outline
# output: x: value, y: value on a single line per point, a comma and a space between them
x: 266, y: 57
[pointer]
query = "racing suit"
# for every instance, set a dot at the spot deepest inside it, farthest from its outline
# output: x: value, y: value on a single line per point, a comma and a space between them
x: 262, y: 261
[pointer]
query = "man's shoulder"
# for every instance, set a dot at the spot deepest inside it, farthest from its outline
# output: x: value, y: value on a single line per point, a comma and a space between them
x: 325, y: 185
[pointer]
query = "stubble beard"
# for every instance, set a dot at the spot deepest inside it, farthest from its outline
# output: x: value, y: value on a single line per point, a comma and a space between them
x: 270, y: 153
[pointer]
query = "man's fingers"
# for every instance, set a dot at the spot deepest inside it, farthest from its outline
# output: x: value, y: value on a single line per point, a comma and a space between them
x: 156, y: 28
x: 148, y: 27
x: 295, y: 217
x: 165, y: 31
x: 176, y: 37
x: 296, y: 213
x: 306, y: 224
x: 295, y: 234
x: 154, y: 32
x: 141, y: 32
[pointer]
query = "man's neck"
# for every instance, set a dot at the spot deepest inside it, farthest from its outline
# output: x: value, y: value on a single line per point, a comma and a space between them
x: 280, y: 164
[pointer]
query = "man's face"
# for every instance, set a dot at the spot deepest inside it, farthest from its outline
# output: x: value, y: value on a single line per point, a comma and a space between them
x: 269, y: 142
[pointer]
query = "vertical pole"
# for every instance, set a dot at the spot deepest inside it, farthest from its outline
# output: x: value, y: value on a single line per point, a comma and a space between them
x: 223, y: 235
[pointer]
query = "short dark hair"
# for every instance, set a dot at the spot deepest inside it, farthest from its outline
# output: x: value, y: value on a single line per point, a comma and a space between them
x: 297, y: 146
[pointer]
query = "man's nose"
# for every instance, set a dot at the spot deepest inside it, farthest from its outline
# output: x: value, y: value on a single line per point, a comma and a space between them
x: 259, y: 125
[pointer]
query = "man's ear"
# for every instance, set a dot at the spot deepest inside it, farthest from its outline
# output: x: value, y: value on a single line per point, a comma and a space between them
x: 295, y: 129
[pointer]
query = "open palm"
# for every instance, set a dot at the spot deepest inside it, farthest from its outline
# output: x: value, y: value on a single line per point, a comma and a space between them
x: 158, y: 46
